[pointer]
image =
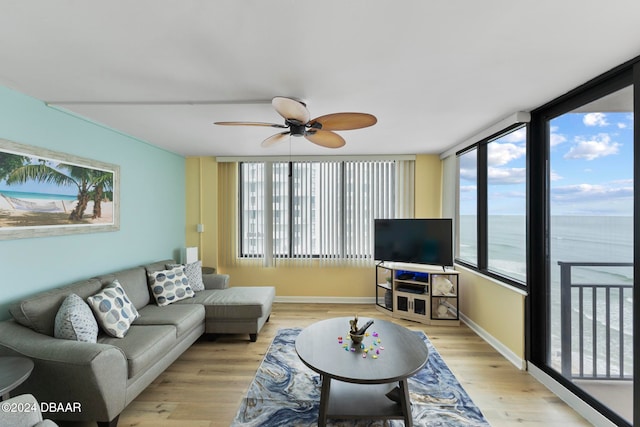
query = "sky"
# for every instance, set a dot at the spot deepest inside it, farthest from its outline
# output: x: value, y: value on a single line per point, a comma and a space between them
x: 591, y: 163
x: 38, y: 187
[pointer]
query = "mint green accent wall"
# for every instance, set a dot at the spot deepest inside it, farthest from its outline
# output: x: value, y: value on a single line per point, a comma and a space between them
x: 152, y: 212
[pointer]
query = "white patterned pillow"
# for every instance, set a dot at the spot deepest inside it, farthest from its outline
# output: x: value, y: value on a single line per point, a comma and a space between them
x: 75, y: 321
x: 194, y: 274
x: 168, y: 286
x: 113, y: 310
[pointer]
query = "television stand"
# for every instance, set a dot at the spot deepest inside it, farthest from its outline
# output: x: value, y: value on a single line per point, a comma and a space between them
x: 423, y: 293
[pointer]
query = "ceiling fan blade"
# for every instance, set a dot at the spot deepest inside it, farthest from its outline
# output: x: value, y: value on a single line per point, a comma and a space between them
x: 275, y: 139
x: 291, y: 109
x: 325, y: 138
x: 344, y: 121
x: 273, y: 125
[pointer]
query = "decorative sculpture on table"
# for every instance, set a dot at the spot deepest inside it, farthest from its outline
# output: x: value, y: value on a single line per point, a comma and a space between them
x: 358, y: 334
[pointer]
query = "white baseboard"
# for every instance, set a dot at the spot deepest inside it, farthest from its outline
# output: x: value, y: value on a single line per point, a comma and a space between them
x: 506, y: 352
x: 326, y: 300
x: 586, y: 411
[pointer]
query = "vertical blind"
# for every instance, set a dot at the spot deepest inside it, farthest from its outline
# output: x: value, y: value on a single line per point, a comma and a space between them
x: 303, y: 212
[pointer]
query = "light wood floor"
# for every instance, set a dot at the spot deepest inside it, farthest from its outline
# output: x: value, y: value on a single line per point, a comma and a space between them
x: 204, y: 387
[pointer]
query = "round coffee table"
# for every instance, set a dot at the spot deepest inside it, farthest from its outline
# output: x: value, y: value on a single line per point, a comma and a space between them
x: 13, y: 372
x: 356, y: 387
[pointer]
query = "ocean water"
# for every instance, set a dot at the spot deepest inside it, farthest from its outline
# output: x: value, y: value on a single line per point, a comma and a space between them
x: 574, y: 239
x: 39, y: 196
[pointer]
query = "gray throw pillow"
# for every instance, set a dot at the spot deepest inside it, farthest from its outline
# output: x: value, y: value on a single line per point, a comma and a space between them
x: 75, y: 321
x: 113, y: 310
x: 194, y: 274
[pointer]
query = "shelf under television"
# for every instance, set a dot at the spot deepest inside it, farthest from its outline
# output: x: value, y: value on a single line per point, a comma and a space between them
x: 423, y: 268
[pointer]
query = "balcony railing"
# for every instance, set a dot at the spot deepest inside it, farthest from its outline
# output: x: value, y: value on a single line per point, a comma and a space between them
x: 582, y: 317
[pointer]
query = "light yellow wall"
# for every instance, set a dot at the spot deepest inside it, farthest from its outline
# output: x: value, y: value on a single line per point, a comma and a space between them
x: 202, y: 207
x: 495, y: 308
x: 349, y: 282
x: 428, y: 186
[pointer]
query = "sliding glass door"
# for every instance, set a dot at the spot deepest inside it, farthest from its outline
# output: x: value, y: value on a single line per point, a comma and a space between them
x: 590, y: 244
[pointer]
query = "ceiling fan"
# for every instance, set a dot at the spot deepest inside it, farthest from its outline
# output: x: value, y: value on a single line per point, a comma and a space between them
x: 319, y: 130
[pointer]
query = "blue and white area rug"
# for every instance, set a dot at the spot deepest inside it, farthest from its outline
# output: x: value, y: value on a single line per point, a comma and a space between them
x: 287, y: 393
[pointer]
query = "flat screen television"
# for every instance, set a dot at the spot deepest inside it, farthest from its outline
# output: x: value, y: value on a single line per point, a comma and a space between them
x: 416, y: 241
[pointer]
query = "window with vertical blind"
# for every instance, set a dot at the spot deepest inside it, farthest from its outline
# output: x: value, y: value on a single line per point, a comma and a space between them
x: 319, y: 209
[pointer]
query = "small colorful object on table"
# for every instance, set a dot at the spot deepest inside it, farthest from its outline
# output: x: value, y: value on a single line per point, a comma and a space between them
x: 375, y: 347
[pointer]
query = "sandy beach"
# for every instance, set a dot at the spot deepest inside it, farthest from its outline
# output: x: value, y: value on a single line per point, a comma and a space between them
x: 12, y: 215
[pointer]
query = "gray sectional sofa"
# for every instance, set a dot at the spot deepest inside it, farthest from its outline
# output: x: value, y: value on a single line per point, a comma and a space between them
x: 107, y: 375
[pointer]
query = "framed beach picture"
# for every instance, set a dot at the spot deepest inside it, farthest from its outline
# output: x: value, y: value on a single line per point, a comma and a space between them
x: 46, y: 193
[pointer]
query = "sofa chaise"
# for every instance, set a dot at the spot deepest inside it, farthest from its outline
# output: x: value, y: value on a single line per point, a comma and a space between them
x: 105, y: 376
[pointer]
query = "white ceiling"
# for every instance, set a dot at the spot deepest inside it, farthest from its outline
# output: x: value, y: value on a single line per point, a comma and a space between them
x: 434, y: 72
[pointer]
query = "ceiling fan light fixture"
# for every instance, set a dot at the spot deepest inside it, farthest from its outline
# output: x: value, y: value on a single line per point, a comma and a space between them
x: 297, y: 129
x: 319, y: 130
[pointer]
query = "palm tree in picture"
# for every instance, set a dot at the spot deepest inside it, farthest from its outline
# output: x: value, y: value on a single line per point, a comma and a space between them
x: 9, y: 162
x: 85, y: 180
x: 103, y: 182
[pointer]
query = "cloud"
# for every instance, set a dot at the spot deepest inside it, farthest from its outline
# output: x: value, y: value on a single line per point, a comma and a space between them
x: 555, y: 176
x: 609, y: 198
x: 628, y: 182
x: 469, y: 174
x: 508, y: 195
x: 590, y: 192
x: 590, y: 149
x: 503, y: 176
x: 500, y: 154
x: 468, y: 188
x: 469, y: 160
x: 556, y: 138
x: 626, y: 122
x: 595, y: 119
x: 519, y: 135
